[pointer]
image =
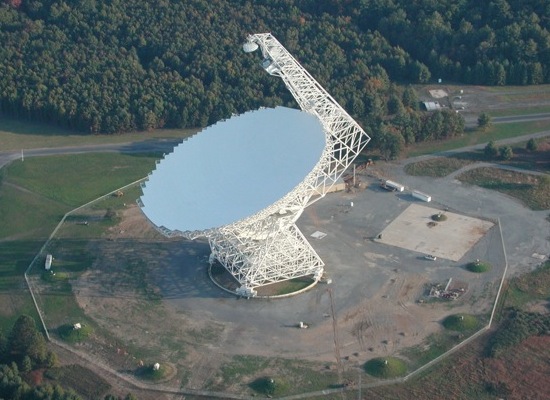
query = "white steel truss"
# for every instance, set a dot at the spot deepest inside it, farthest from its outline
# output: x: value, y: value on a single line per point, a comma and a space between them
x: 268, y: 247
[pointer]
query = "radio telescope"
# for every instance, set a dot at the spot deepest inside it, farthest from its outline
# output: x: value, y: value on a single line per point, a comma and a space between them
x: 244, y: 182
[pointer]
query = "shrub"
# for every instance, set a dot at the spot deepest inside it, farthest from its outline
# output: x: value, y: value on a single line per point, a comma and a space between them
x: 484, y: 120
x: 460, y: 322
x: 506, y: 153
x: 491, y: 150
x: 269, y: 386
x: 387, y: 367
x: 439, y: 217
x: 478, y: 267
x: 532, y: 145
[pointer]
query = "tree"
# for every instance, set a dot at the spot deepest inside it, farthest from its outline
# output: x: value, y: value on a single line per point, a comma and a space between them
x: 391, y: 142
x: 395, y: 106
x: 51, y: 359
x: 506, y: 153
x: 25, y: 340
x: 491, y: 150
x: 410, y: 99
x: 532, y: 145
x: 484, y: 120
x: 3, y: 338
x: 435, y: 125
x: 26, y: 365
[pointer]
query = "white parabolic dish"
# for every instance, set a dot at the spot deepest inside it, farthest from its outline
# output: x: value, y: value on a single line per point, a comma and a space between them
x: 233, y: 169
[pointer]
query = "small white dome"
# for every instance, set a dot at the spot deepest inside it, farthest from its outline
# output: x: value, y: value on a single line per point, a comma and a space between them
x: 249, y: 47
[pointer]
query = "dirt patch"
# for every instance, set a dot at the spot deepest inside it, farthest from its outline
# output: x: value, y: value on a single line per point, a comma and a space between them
x: 438, y: 93
x: 132, y: 225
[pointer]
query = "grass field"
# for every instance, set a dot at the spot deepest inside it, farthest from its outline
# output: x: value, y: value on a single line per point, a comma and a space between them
x: 34, y: 196
x: 36, y: 193
x: 73, y: 180
x: 18, y: 134
x: 495, y: 132
x: 528, y: 287
x: 532, y: 190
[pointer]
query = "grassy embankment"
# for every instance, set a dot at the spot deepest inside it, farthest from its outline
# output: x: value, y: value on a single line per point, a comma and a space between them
x: 533, y: 190
x: 16, y: 135
x: 34, y: 195
x: 495, y: 132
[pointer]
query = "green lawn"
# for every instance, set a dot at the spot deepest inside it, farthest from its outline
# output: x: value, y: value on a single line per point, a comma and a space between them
x: 523, y: 289
x: 495, y: 132
x: 519, y: 111
x: 36, y: 193
x: 26, y: 214
x: 34, y: 196
x: 532, y: 190
x: 18, y: 134
x: 76, y: 179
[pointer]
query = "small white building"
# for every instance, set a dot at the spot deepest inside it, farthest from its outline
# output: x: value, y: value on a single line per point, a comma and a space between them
x: 432, y: 105
x: 48, y: 263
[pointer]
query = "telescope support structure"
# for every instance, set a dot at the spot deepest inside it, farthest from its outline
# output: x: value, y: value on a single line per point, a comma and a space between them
x: 268, y: 247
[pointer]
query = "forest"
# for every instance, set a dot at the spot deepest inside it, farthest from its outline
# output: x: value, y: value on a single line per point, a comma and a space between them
x: 117, y: 66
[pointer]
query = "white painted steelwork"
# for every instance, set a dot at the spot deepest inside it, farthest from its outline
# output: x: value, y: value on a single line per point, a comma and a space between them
x: 268, y: 247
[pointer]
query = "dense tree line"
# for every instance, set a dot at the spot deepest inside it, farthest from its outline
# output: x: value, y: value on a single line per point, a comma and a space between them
x: 107, y: 67
x: 494, y: 42
x: 23, y: 350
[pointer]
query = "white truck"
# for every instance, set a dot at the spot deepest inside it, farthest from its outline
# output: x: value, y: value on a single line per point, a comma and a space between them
x: 392, y: 186
x: 421, y: 196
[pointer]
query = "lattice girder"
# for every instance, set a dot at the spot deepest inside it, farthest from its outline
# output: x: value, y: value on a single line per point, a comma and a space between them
x: 268, y: 247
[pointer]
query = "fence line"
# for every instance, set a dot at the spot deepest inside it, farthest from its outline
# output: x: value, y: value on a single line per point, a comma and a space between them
x: 47, y: 242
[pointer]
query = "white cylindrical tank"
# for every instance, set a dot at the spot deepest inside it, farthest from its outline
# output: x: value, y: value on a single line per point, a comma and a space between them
x: 395, y: 185
x: 421, y: 196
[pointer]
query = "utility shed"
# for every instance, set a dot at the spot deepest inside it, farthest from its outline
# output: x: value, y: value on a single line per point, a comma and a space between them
x: 48, y: 263
x: 431, y: 105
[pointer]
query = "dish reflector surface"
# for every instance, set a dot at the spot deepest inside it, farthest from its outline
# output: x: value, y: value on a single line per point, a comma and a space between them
x: 233, y: 169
